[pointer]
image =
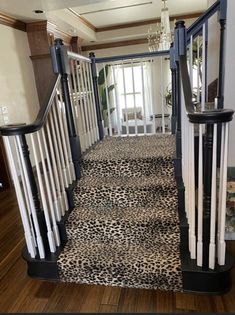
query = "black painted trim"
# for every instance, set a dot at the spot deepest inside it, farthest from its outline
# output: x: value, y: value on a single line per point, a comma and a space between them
x: 213, y: 116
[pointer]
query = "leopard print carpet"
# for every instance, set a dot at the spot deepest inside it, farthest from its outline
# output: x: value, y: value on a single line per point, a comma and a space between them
x: 124, y: 230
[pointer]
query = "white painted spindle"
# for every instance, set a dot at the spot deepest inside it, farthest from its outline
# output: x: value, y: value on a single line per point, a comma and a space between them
x: 212, y: 246
x: 222, y: 198
x: 200, y: 200
x: 29, y: 237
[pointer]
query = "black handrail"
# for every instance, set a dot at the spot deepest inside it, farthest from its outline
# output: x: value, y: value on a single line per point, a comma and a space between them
x: 22, y: 129
x: 193, y: 29
x: 133, y: 56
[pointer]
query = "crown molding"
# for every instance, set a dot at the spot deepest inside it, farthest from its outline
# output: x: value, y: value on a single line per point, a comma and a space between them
x: 12, y: 22
x: 147, y: 22
x: 83, y: 20
x: 115, y: 44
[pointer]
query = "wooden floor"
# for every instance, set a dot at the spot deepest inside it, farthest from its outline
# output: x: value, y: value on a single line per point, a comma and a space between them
x: 19, y: 293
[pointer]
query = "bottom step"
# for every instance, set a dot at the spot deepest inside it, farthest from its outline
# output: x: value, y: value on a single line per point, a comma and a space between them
x: 125, y: 266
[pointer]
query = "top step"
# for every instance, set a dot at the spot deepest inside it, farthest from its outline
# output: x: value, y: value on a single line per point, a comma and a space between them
x: 131, y: 156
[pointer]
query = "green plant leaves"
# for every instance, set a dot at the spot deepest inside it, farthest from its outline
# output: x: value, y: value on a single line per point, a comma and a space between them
x: 101, y: 78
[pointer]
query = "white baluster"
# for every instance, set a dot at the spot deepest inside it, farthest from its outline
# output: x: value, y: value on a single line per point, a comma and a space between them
x: 88, y: 133
x: 162, y: 97
x: 26, y: 193
x: 192, y: 192
x: 64, y: 184
x: 222, y: 203
x: 50, y: 234
x: 65, y: 136
x: 93, y: 99
x: 29, y: 237
x: 92, y: 104
x: 54, y: 120
x: 153, y: 84
x: 56, y: 202
x: 107, y: 99
x: 133, y: 87
x: 82, y: 107
x: 200, y: 200
x: 125, y: 99
x: 116, y: 100
x: 143, y: 98
x: 213, y: 202
x: 58, y: 114
x: 89, y: 102
x: 57, y: 170
x: 34, y: 215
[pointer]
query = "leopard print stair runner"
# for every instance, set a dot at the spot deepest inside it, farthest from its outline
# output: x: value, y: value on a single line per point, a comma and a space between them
x: 124, y: 230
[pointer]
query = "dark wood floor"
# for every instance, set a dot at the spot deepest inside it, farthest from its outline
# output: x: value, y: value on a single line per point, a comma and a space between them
x: 19, y: 293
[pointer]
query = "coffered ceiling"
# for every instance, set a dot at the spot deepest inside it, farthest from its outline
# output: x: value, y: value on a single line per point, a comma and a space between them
x: 84, y: 18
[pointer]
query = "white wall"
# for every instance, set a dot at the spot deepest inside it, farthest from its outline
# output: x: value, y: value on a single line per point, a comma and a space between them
x: 229, y: 101
x: 213, y: 47
x: 17, y: 85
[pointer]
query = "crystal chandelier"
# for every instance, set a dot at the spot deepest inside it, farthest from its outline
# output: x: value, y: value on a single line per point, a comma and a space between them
x: 161, y: 38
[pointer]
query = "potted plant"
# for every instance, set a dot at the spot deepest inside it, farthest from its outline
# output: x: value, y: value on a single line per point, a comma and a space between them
x: 104, y: 72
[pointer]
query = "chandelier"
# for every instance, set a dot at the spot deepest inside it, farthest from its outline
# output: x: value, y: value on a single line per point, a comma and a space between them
x: 161, y: 38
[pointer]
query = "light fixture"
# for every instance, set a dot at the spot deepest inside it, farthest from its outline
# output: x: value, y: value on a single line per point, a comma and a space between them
x: 38, y: 11
x: 161, y: 38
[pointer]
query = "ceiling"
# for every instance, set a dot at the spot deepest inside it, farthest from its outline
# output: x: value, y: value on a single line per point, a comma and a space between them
x: 69, y: 15
x: 113, y: 12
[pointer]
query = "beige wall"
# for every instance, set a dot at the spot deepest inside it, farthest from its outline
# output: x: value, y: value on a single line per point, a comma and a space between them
x: 17, y: 85
x: 213, y: 47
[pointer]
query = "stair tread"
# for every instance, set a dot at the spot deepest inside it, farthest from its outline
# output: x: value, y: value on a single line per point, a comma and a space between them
x: 148, y: 181
x: 140, y: 214
x: 131, y: 148
x: 155, y: 267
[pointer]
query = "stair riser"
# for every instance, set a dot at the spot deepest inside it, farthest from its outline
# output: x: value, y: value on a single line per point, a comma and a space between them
x: 126, y: 168
x: 110, y: 197
x: 124, y: 233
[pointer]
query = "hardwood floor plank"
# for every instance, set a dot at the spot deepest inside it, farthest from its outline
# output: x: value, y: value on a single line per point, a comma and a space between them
x: 144, y: 303
x: 111, y: 295
x: 105, y: 308
x: 229, y: 301
x: 128, y: 300
x: 91, y: 303
x: 164, y: 301
x: 7, y: 262
x: 204, y: 303
x: 185, y: 301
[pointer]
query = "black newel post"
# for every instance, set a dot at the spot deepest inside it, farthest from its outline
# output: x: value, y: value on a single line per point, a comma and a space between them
x: 60, y: 64
x: 96, y: 93
x: 33, y: 186
x: 208, y: 156
x: 180, y: 49
x: 173, y: 90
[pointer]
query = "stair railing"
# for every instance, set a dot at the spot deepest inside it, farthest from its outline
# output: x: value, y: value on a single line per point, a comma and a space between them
x: 79, y: 76
x: 205, y: 200
x: 44, y: 156
x: 42, y: 193
x: 126, y: 113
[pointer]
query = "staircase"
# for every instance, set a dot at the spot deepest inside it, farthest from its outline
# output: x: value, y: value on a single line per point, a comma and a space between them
x: 124, y: 229
x: 139, y: 211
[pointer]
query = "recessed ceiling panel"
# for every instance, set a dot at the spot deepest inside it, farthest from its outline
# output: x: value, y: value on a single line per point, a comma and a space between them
x: 126, y: 11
